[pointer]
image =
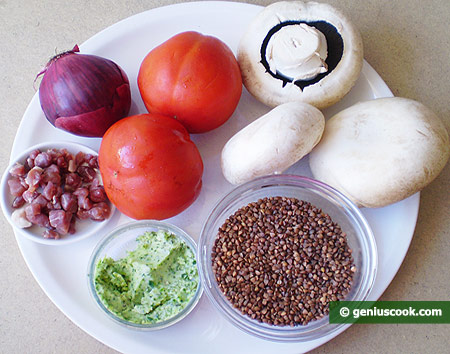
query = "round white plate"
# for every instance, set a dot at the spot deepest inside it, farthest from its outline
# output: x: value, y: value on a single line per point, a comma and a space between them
x: 61, y: 271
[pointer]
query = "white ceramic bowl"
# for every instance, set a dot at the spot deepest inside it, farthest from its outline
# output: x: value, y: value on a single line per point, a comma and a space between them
x: 84, y: 228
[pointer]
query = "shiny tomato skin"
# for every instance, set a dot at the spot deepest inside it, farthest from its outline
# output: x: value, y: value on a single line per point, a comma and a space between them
x: 193, y: 78
x: 150, y: 167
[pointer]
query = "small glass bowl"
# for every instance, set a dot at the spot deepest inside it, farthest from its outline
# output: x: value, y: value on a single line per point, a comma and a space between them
x: 84, y: 228
x: 116, y: 245
x: 341, y: 210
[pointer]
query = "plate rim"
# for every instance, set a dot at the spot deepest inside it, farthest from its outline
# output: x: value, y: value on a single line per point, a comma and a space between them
x: 88, y: 45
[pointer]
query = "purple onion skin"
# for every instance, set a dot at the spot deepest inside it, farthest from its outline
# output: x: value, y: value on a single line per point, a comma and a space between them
x: 84, y: 94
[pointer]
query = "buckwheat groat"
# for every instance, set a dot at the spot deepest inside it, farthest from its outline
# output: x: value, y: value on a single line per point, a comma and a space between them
x: 281, y: 260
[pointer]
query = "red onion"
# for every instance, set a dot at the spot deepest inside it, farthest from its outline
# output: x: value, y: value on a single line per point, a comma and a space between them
x: 84, y: 94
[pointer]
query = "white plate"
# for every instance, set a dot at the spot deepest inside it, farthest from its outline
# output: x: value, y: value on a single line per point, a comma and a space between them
x: 62, y: 274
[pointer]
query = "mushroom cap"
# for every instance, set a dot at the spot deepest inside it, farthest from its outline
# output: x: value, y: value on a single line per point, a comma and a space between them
x: 272, y: 91
x: 381, y: 151
x: 273, y: 142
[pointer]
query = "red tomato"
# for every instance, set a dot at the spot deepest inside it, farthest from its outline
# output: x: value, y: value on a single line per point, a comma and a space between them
x: 150, y: 167
x: 193, y: 78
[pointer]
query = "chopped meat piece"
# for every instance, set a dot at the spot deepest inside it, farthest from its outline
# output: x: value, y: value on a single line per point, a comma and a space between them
x: 97, y: 194
x: 72, y: 182
x: 69, y: 202
x: 18, y: 170
x: 33, y: 178
x: 83, y: 198
x: 44, y: 159
x: 51, y: 234
x: 51, y: 174
x: 42, y: 201
x: 86, y: 173
x: 29, y: 196
x: 99, y: 211
x: 60, y: 220
x: 49, y: 191
x: 18, y: 202
x: 15, y: 187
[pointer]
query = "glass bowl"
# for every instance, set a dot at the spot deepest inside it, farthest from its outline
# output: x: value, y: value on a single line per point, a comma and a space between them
x: 84, y: 228
x: 116, y: 245
x: 341, y: 210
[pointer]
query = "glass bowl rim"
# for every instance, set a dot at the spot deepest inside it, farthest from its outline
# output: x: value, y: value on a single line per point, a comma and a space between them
x: 283, y: 333
x: 110, y: 237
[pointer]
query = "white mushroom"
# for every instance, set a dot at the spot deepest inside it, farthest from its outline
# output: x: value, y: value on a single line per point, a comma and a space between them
x: 296, y: 51
x: 273, y: 142
x: 381, y: 151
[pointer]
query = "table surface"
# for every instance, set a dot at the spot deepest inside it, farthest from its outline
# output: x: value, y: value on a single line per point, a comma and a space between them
x: 408, y: 44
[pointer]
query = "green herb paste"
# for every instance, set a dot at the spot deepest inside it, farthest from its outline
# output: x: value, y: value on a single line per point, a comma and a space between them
x: 152, y: 283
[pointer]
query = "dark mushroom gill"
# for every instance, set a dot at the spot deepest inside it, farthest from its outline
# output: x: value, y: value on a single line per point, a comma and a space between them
x: 335, y: 45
